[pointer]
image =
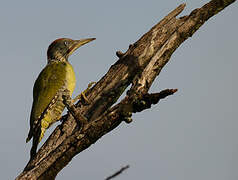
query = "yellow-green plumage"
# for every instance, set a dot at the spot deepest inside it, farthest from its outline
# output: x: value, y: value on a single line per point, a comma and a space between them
x: 49, y: 86
x: 54, y: 79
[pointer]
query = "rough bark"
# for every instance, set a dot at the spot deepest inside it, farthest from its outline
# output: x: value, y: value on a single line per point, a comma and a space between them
x: 139, y: 66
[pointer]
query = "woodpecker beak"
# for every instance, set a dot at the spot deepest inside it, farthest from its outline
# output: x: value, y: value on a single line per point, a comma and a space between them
x: 78, y: 43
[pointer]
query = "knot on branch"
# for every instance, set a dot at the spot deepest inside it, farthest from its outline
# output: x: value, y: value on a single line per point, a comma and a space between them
x: 120, y: 54
x: 125, y: 110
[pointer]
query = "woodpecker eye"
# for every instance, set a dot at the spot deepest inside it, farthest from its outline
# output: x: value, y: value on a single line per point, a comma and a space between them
x: 66, y: 43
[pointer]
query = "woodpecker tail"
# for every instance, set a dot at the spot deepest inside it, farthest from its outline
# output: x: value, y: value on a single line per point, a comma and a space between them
x: 30, y: 134
x: 35, y: 142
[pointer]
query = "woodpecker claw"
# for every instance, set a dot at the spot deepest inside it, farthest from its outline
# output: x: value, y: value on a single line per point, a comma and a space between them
x: 72, y: 109
x: 82, y: 96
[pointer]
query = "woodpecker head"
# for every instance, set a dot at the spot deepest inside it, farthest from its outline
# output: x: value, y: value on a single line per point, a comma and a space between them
x: 61, y: 49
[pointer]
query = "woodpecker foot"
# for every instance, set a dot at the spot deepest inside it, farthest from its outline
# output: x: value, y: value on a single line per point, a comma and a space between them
x: 82, y: 96
x: 69, y: 103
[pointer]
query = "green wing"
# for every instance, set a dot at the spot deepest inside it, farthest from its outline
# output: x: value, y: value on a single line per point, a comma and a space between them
x: 48, y: 83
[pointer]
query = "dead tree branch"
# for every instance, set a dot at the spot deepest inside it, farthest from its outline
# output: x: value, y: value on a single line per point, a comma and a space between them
x: 139, y: 66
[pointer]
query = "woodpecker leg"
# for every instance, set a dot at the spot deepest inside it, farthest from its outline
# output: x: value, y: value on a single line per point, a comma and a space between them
x: 69, y: 103
x: 82, y: 96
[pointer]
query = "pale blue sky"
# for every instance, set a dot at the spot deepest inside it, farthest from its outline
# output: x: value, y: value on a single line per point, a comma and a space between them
x: 191, y: 135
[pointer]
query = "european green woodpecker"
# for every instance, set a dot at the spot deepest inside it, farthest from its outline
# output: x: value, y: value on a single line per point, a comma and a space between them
x: 54, y: 79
